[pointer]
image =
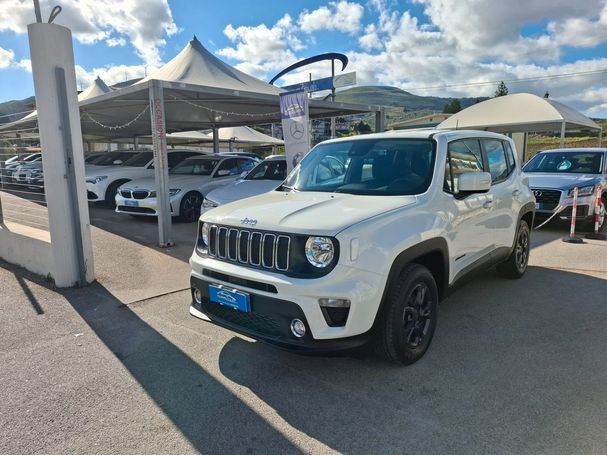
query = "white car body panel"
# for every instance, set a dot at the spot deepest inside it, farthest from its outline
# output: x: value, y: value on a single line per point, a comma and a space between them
x: 372, y: 232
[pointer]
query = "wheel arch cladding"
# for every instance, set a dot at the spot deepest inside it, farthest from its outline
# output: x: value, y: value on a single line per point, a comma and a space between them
x: 432, y: 254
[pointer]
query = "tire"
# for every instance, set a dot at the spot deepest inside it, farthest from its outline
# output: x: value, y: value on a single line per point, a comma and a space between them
x: 110, y: 193
x: 409, y: 316
x: 189, y: 207
x: 516, y: 265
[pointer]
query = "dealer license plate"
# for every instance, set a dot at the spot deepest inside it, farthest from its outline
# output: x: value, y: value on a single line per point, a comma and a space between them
x: 538, y: 206
x: 131, y: 203
x: 230, y: 297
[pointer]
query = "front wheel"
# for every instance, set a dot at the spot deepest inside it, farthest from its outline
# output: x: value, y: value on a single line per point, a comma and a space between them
x: 189, y: 209
x: 409, y: 316
x: 516, y: 264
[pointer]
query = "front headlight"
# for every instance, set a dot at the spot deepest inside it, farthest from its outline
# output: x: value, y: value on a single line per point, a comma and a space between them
x: 583, y: 191
x: 208, y: 204
x: 320, y: 251
x: 174, y: 191
x: 97, y: 179
x: 204, y: 233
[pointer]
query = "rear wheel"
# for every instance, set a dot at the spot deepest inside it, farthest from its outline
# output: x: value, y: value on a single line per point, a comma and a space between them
x: 516, y: 264
x: 409, y: 316
x: 189, y: 208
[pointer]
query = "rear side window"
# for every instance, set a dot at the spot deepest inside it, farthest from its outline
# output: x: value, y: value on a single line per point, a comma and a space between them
x: 496, y: 160
x: 462, y: 156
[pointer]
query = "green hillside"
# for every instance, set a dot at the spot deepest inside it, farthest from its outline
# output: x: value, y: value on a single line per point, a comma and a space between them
x: 395, y: 97
x: 15, y: 107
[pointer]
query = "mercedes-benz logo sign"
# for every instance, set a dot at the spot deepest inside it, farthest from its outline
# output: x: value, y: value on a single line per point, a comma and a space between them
x: 537, y: 193
x: 297, y: 158
x: 297, y: 130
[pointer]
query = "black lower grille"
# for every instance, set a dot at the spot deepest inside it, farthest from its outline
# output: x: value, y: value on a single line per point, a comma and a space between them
x: 90, y: 195
x: 240, y: 281
x: 124, y: 208
x: 581, y: 211
x: 259, y: 323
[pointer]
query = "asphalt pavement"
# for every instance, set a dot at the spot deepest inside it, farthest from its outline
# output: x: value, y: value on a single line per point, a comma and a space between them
x: 516, y: 367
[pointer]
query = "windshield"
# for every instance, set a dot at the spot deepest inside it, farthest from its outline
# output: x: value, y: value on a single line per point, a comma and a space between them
x: 566, y: 163
x: 269, y: 170
x: 107, y: 159
x: 368, y: 166
x: 195, y: 166
x: 139, y: 160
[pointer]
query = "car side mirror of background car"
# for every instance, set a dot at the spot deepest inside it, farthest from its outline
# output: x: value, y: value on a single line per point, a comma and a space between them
x: 474, y: 182
x: 243, y: 174
x: 223, y: 172
x: 117, y: 162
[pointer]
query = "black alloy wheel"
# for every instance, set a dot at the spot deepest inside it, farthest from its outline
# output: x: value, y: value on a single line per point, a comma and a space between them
x: 409, y: 316
x: 189, y: 209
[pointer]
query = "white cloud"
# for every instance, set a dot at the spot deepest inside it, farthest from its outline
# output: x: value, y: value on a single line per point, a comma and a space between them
x: 6, y: 57
x: 25, y: 64
x: 262, y: 49
x: 342, y: 16
x: 113, y: 42
x: 145, y: 23
x: 110, y: 74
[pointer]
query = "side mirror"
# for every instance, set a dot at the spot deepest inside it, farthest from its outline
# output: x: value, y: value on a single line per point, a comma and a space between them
x: 117, y: 162
x: 243, y: 174
x: 474, y: 182
x: 223, y: 173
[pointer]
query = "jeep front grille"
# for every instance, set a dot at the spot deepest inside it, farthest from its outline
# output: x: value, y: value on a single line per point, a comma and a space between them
x: 259, y: 249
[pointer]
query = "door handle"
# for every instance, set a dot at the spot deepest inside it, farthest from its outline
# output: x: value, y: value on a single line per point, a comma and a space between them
x: 488, y: 204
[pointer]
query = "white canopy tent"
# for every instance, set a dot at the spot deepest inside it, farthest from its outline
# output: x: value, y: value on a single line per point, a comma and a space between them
x: 193, y: 91
x: 520, y: 113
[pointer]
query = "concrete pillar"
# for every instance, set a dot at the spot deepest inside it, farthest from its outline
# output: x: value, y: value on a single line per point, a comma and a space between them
x: 63, y: 158
x: 161, y: 166
x: 563, y: 127
x: 380, y: 119
x: 215, y: 140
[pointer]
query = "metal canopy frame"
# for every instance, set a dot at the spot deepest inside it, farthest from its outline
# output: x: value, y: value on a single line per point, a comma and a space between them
x: 159, y: 107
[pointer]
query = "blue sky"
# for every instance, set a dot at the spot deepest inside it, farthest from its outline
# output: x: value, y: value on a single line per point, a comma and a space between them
x: 444, y: 44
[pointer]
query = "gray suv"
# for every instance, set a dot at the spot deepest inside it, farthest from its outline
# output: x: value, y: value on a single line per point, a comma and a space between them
x: 553, y: 174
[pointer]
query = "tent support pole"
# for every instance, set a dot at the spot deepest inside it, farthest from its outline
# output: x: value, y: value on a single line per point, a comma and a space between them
x: 273, y: 132
x: 136, y: 142
x: 161, y: 167
x: 215, y: 140
x: 380, y: 119
x: 600, y: 136
x: 563, y: 126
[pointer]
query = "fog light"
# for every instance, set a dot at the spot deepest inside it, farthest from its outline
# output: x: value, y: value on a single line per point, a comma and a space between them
x: 197, y: 296
x: 298, y: 328
x: 334, y: 303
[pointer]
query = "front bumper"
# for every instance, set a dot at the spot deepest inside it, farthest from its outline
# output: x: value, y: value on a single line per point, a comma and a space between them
x: 143, y: 207
x: 268, y: 321
x: 364, y: 289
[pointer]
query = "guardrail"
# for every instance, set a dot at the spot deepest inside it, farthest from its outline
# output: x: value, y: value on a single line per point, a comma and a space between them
x: 22, y: 198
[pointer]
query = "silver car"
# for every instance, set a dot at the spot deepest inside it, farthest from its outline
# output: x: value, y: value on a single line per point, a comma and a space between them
x: 553, y: 175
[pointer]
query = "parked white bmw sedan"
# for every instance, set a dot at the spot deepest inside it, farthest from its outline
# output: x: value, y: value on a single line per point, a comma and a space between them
x: 189, y: 181
x: 266, y: 176
x: 102, y: 182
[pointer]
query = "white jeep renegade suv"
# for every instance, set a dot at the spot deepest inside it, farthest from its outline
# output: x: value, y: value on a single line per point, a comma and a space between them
x: 364, y: 238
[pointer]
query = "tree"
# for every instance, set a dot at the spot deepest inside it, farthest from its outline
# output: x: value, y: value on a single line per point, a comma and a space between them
x: 362, y: 128
x: 452, y: 107
x: 502, y: 90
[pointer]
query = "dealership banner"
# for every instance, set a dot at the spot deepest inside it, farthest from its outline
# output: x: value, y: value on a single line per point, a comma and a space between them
x: 295, y: 126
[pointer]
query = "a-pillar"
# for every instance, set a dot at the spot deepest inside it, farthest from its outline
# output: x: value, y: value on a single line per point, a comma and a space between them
x: 62, y: 153
x: 161, y: 167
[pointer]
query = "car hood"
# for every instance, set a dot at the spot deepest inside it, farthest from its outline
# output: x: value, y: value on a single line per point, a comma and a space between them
x: 560, y: 181
x: 304, y: 212
x: 182, y: 182
x: 241, y: 190
x: 96, y: 171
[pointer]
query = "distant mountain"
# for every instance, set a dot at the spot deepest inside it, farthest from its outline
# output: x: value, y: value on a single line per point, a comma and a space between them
x: 395, y: 97
x: 16, y: 107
